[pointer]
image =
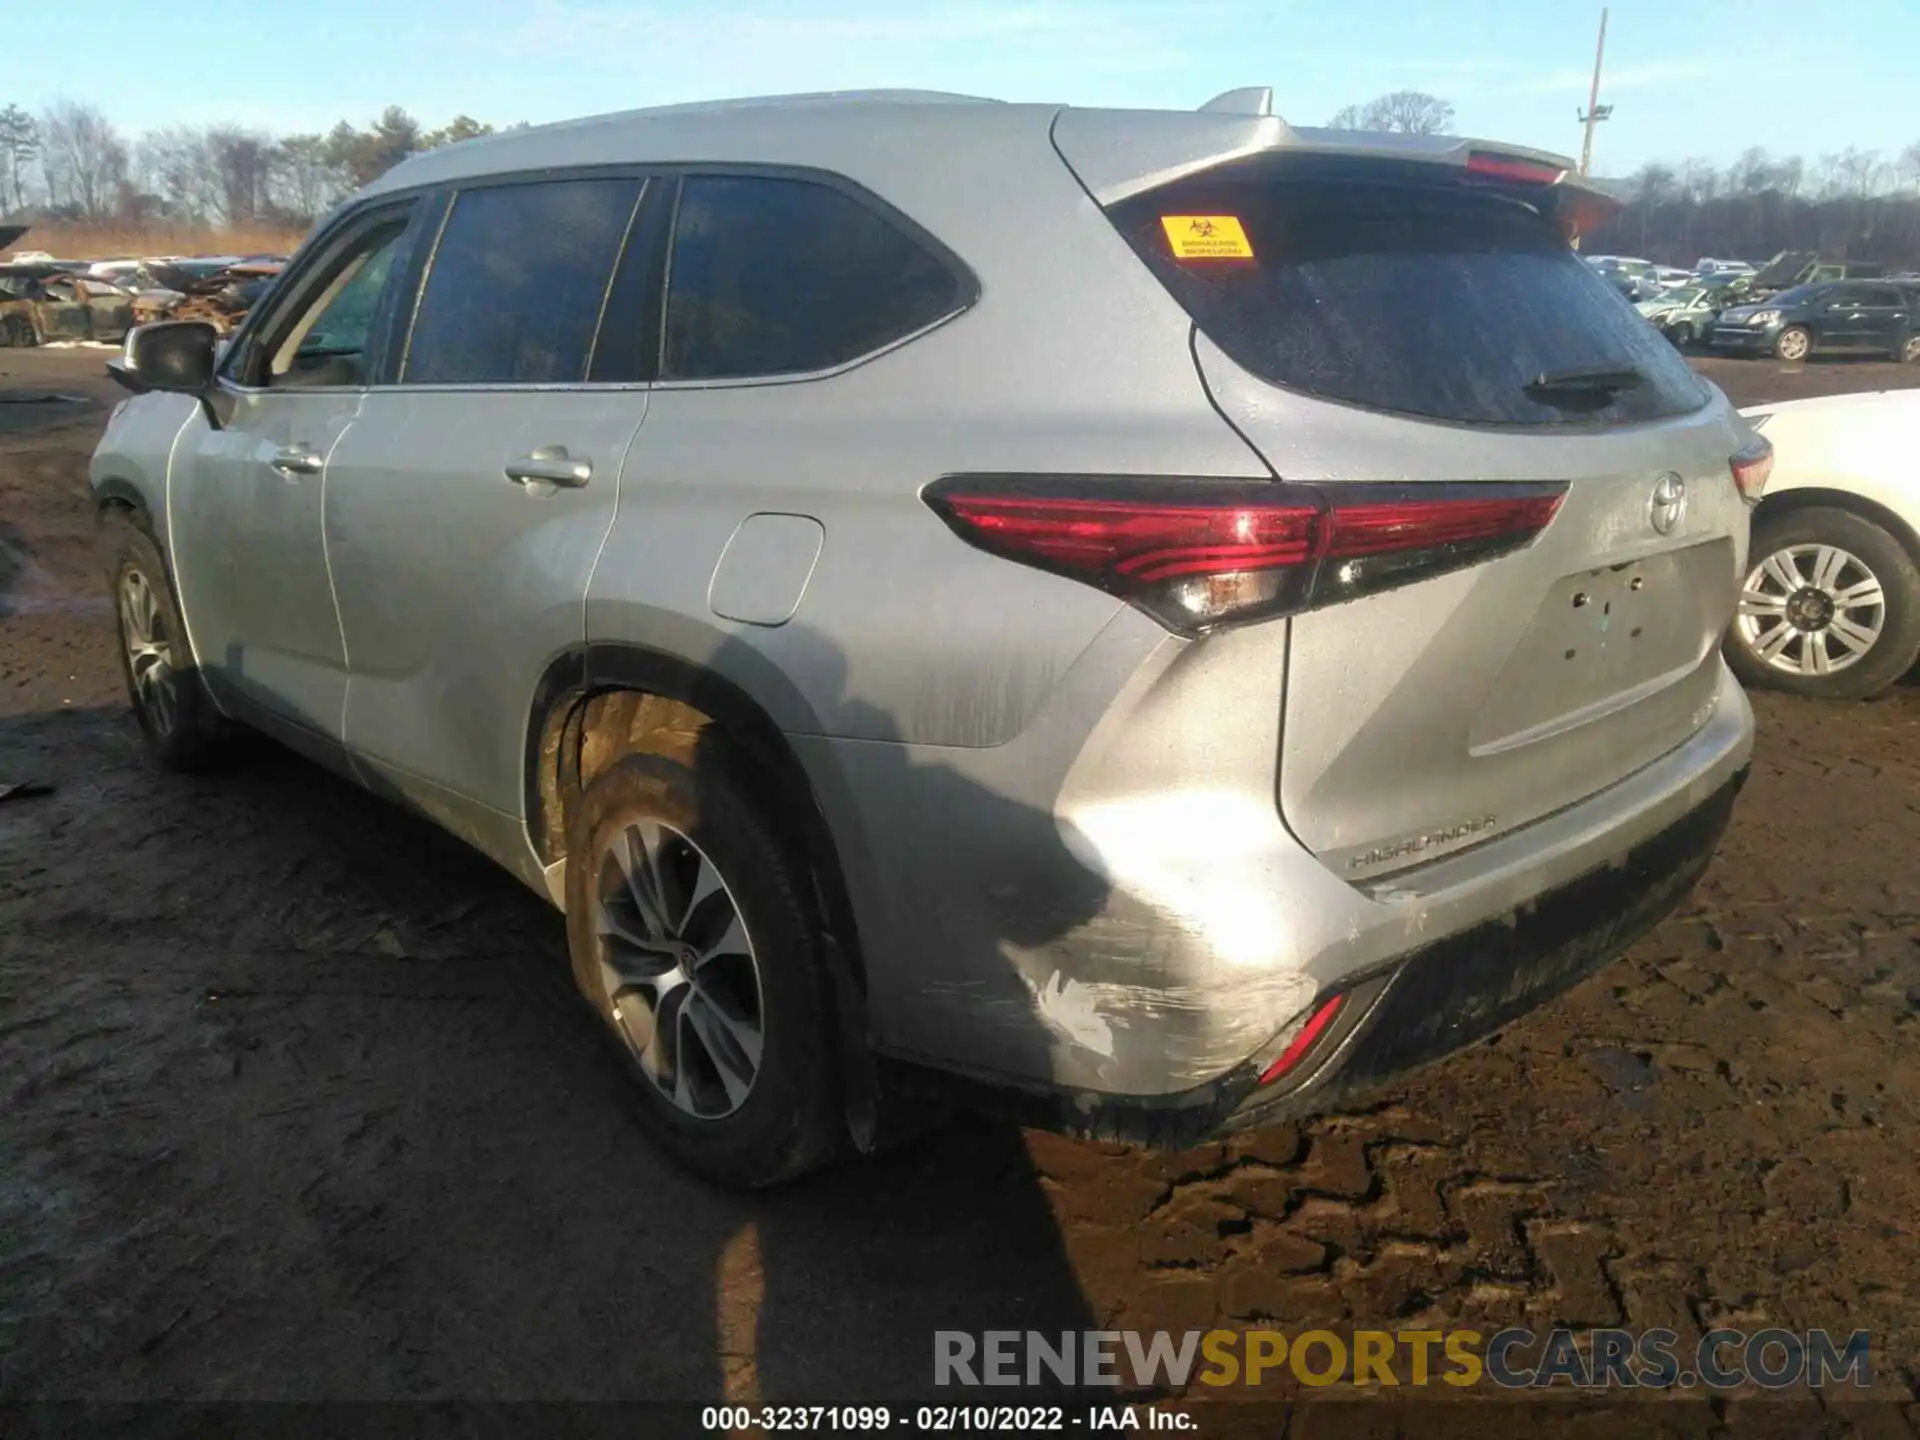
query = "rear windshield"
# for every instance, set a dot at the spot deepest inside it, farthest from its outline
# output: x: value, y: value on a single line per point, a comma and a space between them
x: 1435, y: 301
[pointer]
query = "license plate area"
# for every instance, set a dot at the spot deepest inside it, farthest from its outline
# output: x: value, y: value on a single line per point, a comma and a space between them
x: 1605, y: 639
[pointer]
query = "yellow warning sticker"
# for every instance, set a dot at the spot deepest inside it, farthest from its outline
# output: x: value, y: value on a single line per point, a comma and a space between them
x: 1207, y: 237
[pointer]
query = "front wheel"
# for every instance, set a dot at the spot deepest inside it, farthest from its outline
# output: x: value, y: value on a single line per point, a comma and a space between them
x: 1909, y: 352
x: 1682, y: 335
x: 1830, y: 607
x: 183, y: 728
x: 1794, y: 343
x: 691, y: 936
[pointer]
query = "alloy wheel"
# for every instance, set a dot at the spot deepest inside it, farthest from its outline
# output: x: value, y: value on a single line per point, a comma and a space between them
x: 149, y: 652
x: 678, y: 968
x: 1811, y: 610
x: 1794, y: 345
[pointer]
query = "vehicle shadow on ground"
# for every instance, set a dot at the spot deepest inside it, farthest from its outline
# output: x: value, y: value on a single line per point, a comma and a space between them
x: 387, y: 1153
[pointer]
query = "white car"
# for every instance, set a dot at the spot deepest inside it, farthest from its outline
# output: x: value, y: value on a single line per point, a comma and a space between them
x: 1831, y: 603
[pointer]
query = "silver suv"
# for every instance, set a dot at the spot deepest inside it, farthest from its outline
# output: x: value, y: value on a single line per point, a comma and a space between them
x: 1148, y: 621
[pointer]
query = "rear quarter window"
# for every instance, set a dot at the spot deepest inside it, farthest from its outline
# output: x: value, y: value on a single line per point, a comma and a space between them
x: 1430, y: 300
x: 773, y: 276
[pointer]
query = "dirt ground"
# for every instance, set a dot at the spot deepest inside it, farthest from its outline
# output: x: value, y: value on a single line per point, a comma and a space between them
x: 295, y: 1101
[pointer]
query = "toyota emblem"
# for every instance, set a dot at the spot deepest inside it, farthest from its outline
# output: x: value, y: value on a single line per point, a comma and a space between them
x: 1669, y: 505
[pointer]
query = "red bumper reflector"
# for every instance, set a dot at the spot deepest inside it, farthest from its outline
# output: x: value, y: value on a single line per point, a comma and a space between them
x: 1311, y: 1031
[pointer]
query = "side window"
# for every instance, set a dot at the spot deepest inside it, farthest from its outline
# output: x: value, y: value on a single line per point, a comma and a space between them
x: 780, y: 277
x: 326, y: 338
x: 1881, y: 297
x: 519, y: 282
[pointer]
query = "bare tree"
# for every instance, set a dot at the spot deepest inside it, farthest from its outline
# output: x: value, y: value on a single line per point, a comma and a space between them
x: 1653, y: 185
x: 1909, y: 161
x: 1406, y: 112
x: 84, y: 157
x: 1699, y: 181
x: 1751, y: 173
x: 173, y: 165
x: 1409, y: 112
x: 242, y: 163
x: 19, y: 143
x: 306, y: 180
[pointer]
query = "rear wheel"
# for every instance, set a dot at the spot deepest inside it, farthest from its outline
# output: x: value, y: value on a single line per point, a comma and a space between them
x: 690, y: 934
x: 18, y: 330
x: 1830, y: 607
x: 183, y: 728
x: 1794, y: 343
x: 1682, y: 334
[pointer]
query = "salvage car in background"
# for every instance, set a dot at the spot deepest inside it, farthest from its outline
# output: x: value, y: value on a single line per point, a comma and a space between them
x: 1851, y: 317
x: 41, y: 305
x: 1831, y: 603
x: 220, y: 292
x: 1686, y: 315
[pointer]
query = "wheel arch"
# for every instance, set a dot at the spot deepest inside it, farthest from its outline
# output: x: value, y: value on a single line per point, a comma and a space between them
x: 1816, y: 497
x: 113, y: 494
x: 563, y: 704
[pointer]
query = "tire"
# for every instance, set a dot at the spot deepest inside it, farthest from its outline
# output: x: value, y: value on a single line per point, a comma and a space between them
x: 1909, y: 351
x: 18, y: 331
x: 183, y: 727
x: 1884, y: 640
x: 1793, y: 343
x: 703, y: 1099
x: 1682, y: 335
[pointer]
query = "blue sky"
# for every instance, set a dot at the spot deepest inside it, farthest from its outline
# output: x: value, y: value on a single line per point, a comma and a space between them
x: 1687, y: 77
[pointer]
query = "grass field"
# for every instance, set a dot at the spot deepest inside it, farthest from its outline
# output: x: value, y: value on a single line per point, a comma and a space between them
x: 113, y: 242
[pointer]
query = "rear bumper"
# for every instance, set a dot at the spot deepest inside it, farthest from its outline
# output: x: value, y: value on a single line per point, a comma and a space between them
x: 1396, y: 1018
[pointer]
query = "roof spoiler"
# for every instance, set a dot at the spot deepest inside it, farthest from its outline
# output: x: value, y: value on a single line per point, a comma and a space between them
x: 1253, y: 100
x: 1118, y: 154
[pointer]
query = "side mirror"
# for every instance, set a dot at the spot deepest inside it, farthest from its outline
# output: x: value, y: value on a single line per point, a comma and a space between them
x: 177, y: 356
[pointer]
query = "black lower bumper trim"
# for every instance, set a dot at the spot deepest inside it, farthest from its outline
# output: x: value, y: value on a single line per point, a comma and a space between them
x: 1424, y: 1006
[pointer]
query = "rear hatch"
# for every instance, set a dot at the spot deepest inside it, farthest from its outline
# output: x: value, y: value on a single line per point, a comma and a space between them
x: 1376, y: 318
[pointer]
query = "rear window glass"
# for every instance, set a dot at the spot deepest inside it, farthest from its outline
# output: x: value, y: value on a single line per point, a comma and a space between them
x: 1427, y: 300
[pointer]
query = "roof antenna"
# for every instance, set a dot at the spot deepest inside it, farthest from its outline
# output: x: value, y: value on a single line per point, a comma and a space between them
x: 1253, y: 100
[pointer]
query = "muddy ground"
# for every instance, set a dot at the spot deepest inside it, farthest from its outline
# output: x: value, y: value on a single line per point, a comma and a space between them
x: 295, y: 1101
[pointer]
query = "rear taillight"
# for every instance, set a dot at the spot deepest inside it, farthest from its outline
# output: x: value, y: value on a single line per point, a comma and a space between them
x: 1199, y: 554
x: 1751, y: 469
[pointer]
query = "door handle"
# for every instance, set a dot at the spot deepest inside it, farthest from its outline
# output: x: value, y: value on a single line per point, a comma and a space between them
x: 550, y: 465
x: 298, y: 460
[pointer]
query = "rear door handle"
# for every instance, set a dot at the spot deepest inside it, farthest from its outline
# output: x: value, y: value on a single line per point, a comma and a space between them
x: 550, y: 465
x: 297, y: 460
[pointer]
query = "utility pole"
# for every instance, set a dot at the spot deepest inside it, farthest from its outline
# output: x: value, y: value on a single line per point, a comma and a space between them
x: 1595, y: 111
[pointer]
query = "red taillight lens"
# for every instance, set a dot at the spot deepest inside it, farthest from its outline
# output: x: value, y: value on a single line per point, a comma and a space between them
x: 1197, y: 554
x: 1751, y: 469
x: 1297, y: 1049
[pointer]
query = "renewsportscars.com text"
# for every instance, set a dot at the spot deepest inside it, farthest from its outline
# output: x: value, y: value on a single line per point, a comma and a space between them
x: 1511, y: 1359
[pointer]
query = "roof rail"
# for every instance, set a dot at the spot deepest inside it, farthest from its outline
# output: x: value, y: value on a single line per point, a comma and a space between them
x: 1253, y: 100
